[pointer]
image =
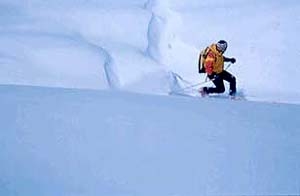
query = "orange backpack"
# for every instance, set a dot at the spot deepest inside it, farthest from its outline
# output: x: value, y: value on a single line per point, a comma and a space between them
x: 202, y: 57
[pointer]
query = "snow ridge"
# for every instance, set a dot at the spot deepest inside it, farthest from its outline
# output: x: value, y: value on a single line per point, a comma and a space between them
x: 108, y: 65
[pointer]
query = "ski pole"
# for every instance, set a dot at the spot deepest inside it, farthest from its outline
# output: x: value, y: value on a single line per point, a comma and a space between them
x: 206, y: 81
x: 201, y: 83
x: 197, y: 84
x: 229, y: 64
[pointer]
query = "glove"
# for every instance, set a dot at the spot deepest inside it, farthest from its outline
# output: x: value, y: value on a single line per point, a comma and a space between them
x: 232, y: 60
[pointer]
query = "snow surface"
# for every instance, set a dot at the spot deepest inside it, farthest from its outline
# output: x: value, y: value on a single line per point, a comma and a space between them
x: 136, y: 45
x: 85, y: 111
x: 76, y: 142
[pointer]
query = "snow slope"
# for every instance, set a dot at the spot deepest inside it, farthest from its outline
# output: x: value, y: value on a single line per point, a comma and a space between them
x: 108, y: 141
x: 136, y: 45
x: 80, y: 142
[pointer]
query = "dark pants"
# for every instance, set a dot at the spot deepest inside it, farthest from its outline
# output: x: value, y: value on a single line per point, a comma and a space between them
x: 219, y: 83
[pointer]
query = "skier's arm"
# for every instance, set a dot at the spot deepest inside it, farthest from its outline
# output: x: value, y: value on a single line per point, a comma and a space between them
x: 226, y: 59
x: 209, y: 62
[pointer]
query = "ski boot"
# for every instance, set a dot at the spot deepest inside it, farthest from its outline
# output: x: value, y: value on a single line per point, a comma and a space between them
x: 203, y: 92
x: 232, y: 94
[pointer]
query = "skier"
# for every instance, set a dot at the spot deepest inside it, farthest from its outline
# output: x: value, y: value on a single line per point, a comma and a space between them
x: 213, y: 63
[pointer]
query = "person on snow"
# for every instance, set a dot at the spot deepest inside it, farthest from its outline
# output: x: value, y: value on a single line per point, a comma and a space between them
x: 213, y: 64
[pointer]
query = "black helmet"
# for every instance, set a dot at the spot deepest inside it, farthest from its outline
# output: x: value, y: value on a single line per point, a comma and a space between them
x: 222, y: 46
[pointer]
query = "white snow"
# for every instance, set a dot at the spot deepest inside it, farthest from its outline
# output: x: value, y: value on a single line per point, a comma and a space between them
x: 85, y: 105
x: 76, y: 142
x: 125, y: 44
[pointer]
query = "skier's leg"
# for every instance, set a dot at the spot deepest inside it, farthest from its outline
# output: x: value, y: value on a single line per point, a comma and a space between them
x: 218, y: 82
x: 232, y: 82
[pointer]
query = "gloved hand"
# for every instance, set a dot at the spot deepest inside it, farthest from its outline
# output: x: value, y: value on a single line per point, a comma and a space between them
x: 232, y: 60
